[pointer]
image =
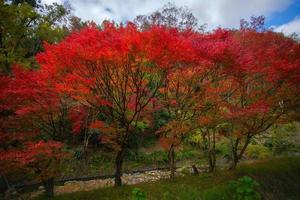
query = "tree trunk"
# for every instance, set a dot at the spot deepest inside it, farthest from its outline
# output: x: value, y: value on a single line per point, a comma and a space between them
x: 211, y: 161
x: 234, y: 161
x: 234, y: 149
x: 209, y: 143
x: 172, y: 161
x: 85, y: 151
x: 247, y: 142
x: 212, y: 152
x: 49, y: 187
x: 118, y: 172
x: 236, y: 154
x: 83, y: 161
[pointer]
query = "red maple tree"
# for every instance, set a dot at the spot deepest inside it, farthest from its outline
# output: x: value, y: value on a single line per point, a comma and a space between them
x: 261, y: 84
x: 116, y: 71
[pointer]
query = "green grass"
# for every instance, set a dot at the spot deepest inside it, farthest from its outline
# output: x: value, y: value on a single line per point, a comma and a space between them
x: 279, y: 179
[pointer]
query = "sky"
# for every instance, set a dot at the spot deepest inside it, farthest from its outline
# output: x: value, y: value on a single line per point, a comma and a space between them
x: 281, y: 15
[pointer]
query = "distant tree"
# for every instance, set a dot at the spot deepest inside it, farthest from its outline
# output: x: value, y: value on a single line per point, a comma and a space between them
x: 24, y: 25
x: 76, y: 24
x: 170, y: 16
x: 33, y: 3
x: 255, y: 23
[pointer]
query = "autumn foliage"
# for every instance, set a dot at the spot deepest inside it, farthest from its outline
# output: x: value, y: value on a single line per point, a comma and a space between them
x: 110, y: 80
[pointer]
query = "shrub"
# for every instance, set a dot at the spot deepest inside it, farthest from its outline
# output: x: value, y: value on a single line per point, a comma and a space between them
x: 257, y: 151
x: 244, y: 189
x: 160, y: 157
x: 283, y: 138
x: 185, y: 154
x: 98, y: 159
x: 78, y: 154
x: 136, y: 156
x: 137, y: 194
x: 222, y: 149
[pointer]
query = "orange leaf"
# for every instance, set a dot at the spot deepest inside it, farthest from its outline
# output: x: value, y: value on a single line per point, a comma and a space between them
x: 97, y: 124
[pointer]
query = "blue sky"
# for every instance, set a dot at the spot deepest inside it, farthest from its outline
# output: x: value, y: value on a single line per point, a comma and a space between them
x: 281, y: 15
x: 288, y: 18
x: 279, y: 18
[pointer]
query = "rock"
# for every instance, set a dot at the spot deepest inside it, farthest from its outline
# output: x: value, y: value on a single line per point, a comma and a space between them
x: 41, y: 187
x: 128, y: 179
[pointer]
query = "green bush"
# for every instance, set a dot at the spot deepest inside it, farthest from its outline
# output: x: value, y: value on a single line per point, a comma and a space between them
x: 137, y: 194
x: 149, y: 141
x: 136, y: 156
x: 98, y: 159
x: 159, y: 157
x: 161, y: 117
x: 245, y: 189
x: 283, y: 138
x: 185, y: 154
x: 257, y: 151
x: 155, y: 157
x: 222, y: 149
x: 78, y: 154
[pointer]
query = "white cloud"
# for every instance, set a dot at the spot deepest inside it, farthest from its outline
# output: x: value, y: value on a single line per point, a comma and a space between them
x: 226, y: 13
x: 51, y: 1
x: 290, y: 27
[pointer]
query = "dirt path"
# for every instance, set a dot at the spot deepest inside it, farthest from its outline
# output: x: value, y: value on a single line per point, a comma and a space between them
x: 128, y: 179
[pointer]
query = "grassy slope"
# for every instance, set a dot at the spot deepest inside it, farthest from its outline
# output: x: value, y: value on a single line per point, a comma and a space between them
x: 279, y: 180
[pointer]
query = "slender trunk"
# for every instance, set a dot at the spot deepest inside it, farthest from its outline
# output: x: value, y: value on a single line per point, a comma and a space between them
x: 83, y: 159
x: 210, y: 164
x: 209, y: 141
x: 236, y: 154
x: 211, y: 161
x: 118, y: 172
x: 172, y: 166
x: 49, y: 187
x: 234, y: 161
x: 85, y: 151
x: 212, y: 152
x: 248, y: 140
x: 214, y: 158
x: 211, y: 156
x: 205, y: 138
